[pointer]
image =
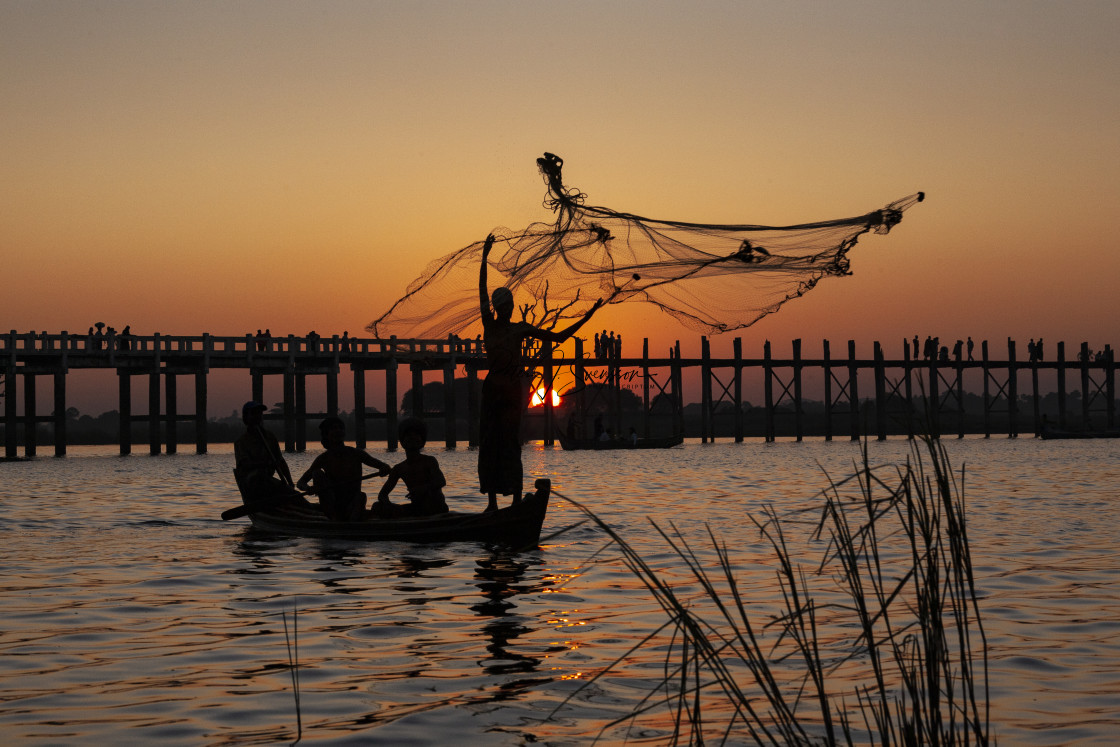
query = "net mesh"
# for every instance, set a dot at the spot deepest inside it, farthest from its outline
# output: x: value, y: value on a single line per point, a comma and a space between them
x: 709, y: 277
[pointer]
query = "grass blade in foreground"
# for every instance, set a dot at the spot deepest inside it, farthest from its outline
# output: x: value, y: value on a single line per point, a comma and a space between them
x: 872, y: 633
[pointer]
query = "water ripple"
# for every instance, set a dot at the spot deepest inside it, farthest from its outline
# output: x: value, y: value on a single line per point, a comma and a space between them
x: 133, y: 613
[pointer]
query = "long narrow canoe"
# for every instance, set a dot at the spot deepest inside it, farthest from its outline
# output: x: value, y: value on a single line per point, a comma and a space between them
x: 1053, y: 433
x: 577, y: 444
x: 518, y: 525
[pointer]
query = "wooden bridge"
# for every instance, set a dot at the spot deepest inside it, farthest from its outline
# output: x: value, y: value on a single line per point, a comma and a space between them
x: 900, y: 387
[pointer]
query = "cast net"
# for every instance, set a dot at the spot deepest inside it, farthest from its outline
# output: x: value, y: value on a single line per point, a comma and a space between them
x: 709, y: 277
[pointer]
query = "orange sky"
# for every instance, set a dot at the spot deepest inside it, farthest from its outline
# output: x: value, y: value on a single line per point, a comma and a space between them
x: 203, y: 166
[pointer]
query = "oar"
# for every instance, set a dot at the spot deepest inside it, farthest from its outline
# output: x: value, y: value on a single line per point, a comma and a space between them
x: 287, y: 478
x: 245, y: 509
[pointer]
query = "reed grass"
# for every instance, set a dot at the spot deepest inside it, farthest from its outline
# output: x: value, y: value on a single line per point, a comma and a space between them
x: 873, y: 635
x: 292, y: 643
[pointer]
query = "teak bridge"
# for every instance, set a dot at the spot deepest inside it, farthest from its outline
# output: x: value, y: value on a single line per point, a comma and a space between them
x: 901, y: 387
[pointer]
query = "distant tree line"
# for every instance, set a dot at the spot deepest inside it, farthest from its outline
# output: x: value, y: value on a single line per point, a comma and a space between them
x: 598, y: 399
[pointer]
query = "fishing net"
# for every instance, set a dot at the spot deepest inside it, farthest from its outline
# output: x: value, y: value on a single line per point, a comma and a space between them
x: 709, y: 277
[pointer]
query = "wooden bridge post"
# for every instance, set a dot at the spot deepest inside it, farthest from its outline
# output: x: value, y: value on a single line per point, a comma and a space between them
x: 124, y: 408
x: 1110, y: 386
x: 201, y: 433
x: 853, y: 388
x: 449, y: 440
x: 417, y: 372
x: 11, y: 421
x: 200, y: 409
x: 987, y: 398
x: 1012, y: 391
x: 645, y: 388
x: 577, y: 406
x: 301, y: 410
x: 768, y: 389
x: 153, y: 399
x: 1086, y: 397
x: 289, y: 409
x: 798, y: 410
x: 614, y: 356
x: 392, y: 404
x: 359, y: 375
x: 60, y: 413
x: 1035, y: 397
x: 678, y: 389
x: 549, y: 436
x: 1062, y: 385
x: 705, y: 391
x: 30, y: 427
x: 908, y: 383
x: 171, y: 395
x: 933, y: 403
x: 959, y: 384
x: 738, y: 390
x: 332, y: 390
x: 880, y: 394
x: 153, y: 413
x: 827, y: 365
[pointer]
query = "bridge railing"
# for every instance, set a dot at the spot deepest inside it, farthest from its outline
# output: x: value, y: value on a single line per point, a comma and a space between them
x: 110, y: 345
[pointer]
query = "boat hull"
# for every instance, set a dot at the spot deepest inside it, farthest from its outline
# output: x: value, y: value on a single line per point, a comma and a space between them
x: 518, y: 525
x: 1051, y: 434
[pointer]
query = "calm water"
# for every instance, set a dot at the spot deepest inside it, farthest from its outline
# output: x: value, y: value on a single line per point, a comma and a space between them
x: 132, y: 613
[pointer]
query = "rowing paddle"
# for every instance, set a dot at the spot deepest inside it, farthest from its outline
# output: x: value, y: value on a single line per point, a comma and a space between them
x: 245, y: 509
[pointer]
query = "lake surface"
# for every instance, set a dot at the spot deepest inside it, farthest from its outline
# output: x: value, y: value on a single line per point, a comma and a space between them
x: 133, y: 613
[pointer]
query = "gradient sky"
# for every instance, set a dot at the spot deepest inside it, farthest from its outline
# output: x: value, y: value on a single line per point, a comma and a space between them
x: 205, y: 166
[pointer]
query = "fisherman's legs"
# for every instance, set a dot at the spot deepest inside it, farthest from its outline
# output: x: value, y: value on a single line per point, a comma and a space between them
x: 499, y: 453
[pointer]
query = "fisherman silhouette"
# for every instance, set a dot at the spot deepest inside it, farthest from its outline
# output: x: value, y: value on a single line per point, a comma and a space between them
x: 505, y: 390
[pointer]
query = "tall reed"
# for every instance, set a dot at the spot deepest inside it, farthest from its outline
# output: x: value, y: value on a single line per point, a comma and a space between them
x: 876, y: 639
x: 293, y: 665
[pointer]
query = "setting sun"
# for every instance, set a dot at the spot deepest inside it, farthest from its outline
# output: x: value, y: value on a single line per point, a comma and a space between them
x: 538, y: 398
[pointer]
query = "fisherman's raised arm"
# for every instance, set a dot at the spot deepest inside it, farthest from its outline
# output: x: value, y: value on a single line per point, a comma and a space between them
x: 483, y: 293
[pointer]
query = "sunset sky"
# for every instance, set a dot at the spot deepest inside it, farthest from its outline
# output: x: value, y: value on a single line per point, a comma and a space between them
x: 221, y: 167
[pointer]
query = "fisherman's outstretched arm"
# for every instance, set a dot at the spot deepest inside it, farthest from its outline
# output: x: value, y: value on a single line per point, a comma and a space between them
x: 546, y: 334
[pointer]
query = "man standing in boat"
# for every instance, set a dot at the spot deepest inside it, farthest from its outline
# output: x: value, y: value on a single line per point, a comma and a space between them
x: 505, y: 391
x: 258, y: 457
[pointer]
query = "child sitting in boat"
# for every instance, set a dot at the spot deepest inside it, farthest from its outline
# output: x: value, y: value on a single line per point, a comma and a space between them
x: 336, y: 475
x: 419, y: 472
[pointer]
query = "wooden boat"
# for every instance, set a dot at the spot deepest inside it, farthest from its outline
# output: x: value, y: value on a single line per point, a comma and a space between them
x: 578, y: 444
x: 518, y: 525
x: 1054, y: 433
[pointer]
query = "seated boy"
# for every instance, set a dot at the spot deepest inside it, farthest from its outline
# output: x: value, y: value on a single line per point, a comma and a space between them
x: 336, y: 474
x: 421, y: 475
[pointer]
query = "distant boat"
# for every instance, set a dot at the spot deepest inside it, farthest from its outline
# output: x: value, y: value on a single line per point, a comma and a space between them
x: 587, y: 444
x: 1054, y: 433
